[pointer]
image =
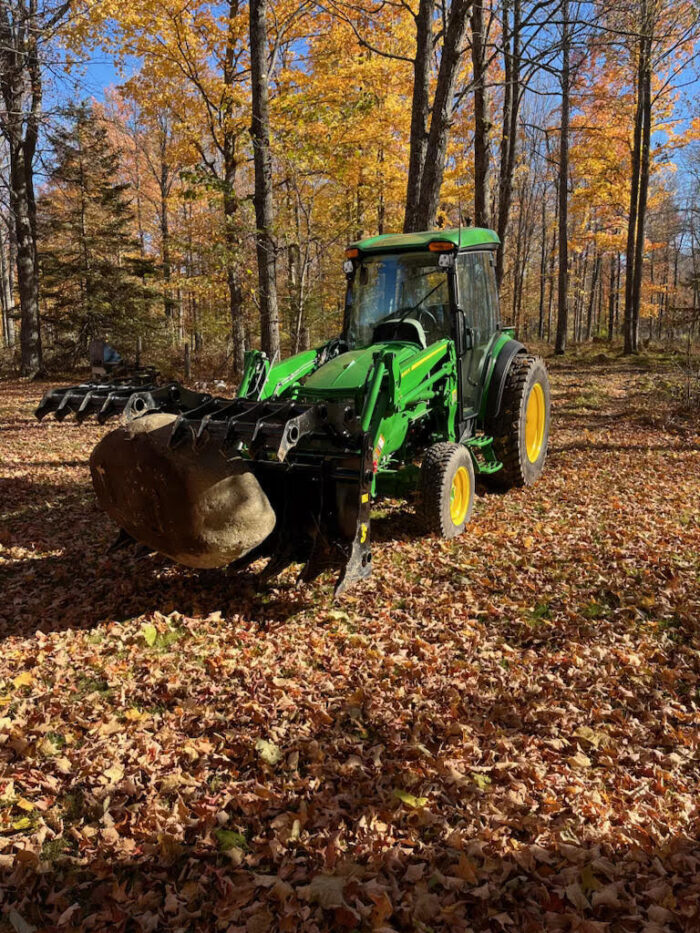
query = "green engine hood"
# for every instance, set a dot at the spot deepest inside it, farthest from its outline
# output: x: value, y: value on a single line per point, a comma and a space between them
x: 347, y: 374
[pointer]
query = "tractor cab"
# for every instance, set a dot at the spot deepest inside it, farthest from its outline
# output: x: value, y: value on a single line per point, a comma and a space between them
x: 425, y: 287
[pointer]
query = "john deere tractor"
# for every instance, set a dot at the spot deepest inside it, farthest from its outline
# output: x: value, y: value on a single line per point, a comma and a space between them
x: 424, y: 390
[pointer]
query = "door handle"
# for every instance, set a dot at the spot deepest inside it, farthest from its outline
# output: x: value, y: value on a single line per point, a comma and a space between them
x: 468, y: 338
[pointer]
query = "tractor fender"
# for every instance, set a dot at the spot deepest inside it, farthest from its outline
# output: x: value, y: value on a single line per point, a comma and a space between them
x: 497, y: 381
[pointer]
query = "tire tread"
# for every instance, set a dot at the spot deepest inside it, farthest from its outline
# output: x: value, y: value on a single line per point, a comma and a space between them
x: 506, y: 426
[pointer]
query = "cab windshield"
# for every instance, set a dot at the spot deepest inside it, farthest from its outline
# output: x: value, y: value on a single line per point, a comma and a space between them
x: 409, y: 286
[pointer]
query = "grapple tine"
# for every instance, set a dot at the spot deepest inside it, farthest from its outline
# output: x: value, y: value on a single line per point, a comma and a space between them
x: 87, y: 406
x: 64, y: 406
x: 277, y: 563
x: 358, y: 565
x: 202, y: 431
x: 48, y: 403
x: 178, y: 435
x: 107, y: 409
x: 322, y: 558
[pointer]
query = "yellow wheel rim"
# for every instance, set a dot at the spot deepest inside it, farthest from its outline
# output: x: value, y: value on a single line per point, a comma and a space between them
x: 459, y: 496
x: 535, y: 418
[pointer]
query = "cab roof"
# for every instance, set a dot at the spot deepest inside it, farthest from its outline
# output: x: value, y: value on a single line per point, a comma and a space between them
x: 464, y: 238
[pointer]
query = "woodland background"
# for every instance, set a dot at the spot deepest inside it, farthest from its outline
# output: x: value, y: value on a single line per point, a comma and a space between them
x: 495, y: 732
x: 204, y: 198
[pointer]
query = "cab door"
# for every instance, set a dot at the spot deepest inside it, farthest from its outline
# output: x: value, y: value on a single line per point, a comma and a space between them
x: 476, y: 286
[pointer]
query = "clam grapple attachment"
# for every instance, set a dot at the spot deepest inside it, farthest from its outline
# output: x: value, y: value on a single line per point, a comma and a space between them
x: 423, y: 391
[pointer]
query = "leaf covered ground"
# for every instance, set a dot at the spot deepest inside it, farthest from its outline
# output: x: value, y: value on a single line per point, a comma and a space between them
x: 494, y: 733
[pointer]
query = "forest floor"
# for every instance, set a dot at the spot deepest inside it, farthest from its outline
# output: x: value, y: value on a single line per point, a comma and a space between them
x: 500, y: 732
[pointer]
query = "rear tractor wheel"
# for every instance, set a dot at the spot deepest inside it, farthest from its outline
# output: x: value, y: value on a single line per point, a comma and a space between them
x: 521, y: 429
x: 446, y: 489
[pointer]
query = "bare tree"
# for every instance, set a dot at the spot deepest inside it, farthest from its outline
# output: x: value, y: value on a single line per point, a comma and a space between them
x: 640, y: 184
x: 263, y: 202
x: 482, y: 117
x: 27, y: 27
x: 7, y: 255
x: 562, y: 297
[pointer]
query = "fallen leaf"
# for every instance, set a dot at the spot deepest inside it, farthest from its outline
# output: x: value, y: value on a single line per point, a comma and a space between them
x: 326, y: 890
x: 268, y: 751
x: 115, y: 773
x: 410, y: 800
x: 25, y: 679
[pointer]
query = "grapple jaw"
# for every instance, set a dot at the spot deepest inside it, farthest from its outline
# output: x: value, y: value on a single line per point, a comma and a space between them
x: 314, y: 463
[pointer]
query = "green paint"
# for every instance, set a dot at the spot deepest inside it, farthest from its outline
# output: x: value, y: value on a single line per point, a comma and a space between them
x: 348, y: 373
x: 483, y: 455
x: 466, y: 238
x: 284, y: 377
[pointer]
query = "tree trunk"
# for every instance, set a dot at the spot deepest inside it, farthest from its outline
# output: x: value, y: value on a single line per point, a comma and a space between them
x: 618, y: 285
x: 611, y: 299
x: 21, y: 32
x: 511, y: 110
x: 552, y: 262
x: 381, y: 206
x: 8, y: 323
x: 591, y: 298
x: 482, y: 120
x: 420, y: 108
x: 23, y: 208
x: 260, y: 131
x: 230, y: 204
x: 643, y: 183
x: 580, y: 273
x: 562, y: 296
x: 543, y: 266
x: 441, y: 116
x: 235, y: 294
x: 163, y: 186
x: 630, y: 323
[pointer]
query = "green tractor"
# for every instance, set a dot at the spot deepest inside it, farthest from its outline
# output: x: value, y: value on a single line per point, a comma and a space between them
x: 424, y: 390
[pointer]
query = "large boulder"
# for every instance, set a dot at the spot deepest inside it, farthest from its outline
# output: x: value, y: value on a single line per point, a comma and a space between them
x: 194, y: 506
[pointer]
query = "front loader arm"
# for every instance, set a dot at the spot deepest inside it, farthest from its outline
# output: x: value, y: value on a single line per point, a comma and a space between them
x: 282, y: 379
x: 395, y: 398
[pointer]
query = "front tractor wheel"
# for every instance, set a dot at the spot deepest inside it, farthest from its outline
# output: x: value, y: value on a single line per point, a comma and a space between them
x: 521, y: 430
x: 446, y: 489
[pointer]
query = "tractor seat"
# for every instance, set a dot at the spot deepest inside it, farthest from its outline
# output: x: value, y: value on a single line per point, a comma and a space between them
x: 408, y: 330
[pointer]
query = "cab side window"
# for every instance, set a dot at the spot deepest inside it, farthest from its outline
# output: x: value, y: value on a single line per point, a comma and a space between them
x: 493, y: 288
x: 477, y: 296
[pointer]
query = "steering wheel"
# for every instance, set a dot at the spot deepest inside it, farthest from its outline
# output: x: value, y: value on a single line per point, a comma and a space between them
x: 402, y: 314
x: 429, y: 314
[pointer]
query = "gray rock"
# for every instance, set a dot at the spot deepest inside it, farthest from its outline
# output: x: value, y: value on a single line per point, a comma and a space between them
x: 196, y: 507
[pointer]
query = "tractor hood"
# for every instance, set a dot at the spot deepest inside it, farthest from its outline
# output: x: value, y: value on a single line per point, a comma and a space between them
x: 348, y: 372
